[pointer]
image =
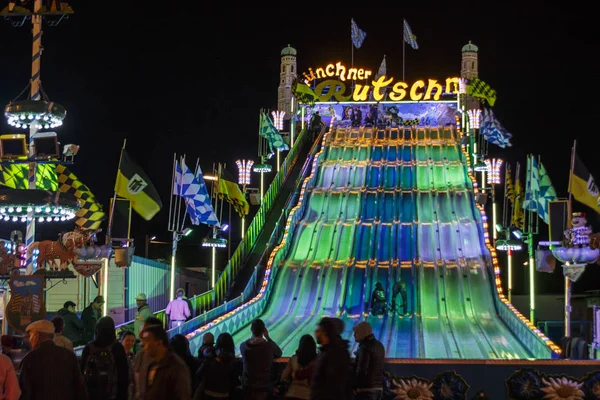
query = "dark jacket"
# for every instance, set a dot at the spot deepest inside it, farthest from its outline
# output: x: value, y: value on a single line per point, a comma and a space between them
x: 89, y: 317
x: 73, y: 327
x: 121, y: 365
x: 370, y: 358
x: 218, y: 375
x: 49, y: 372
x: 105, y: 337
x: 332, y: 370
x: 171, y: 380
x: 258, y: 355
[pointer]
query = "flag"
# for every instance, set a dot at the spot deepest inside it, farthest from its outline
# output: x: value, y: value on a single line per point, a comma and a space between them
x: 518, y: 216
x: 493, y: 131
x: 303, y: 93
x: 133, y: 184
x: 357, y: 34
x: 15, y: 176
x: 382, y: 69
x: 539, y: 191
x: 90, y: 215
x: 230, y: 191
x: 478, y: 88
x: 270, y: 132
x: 194, y: 192
x: 410, y: 37
x: 583, y: 187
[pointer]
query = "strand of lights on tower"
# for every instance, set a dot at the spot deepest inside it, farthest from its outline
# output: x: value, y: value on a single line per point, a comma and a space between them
x: 244, y: 168
x: 474, y: 118
x: 278, y: 119
x: 493, y: 166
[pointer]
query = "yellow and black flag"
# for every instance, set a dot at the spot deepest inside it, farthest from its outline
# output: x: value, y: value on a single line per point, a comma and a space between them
x: 133, y: 184
x: 583, y: 187
x: 90, y: 215
x: 230, y: 191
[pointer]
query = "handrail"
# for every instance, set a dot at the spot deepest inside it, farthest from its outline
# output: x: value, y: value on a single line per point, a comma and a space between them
x: 208, y: 300
x: 252, y: 286
x: 254, y: 306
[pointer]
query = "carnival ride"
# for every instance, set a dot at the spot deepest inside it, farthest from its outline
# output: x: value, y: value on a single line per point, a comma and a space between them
x: 383, y: 205
x: 31, y: 191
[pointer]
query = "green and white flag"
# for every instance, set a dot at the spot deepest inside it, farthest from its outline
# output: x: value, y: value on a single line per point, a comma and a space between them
x: 539, y: 191
x: 270, y: 132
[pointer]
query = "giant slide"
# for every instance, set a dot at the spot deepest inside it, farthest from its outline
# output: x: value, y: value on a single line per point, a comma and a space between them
x: 385, y: 206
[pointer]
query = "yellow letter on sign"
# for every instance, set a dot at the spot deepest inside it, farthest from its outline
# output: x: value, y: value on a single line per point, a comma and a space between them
x: 336, y: 90
x: 377, y: 85
x: 413, y: 90
x: 433, y: 85
x: 398, y: 91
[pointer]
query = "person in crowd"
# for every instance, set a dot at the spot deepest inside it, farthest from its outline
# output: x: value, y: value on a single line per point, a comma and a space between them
x: 207, y: 350
x: 90, y: 316
x: 127, y: 339
x: 181, y: 346
x: 399, y: 288
x: 143, y: 313
x: 177, y: 310
x: 60, y: 339
x: 330, y: 378
x: 370, y: 357
x: 9, y: 385
x: 218, y: 377
x: 299, y: 369
x: 49, y: 372
x: 141, y: 361
x: 258, y: 354
x: 166, y: 376
x: 315, y: 125
x: 74, y: 328
x: 10, y: 347
x: 378, y: 302
x: 104, y: 364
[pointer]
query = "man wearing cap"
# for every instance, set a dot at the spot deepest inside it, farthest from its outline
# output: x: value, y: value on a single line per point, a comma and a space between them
x: 177, y: 310
x: 90, y: 316
x: 48, y: 371
x: 143, y: 312
x: 368, y: 378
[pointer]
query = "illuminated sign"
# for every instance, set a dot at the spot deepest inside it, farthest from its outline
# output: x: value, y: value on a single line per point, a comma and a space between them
x: 337, y: 89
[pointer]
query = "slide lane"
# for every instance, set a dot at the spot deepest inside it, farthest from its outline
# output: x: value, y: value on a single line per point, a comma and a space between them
x: 479, y: 283
x: 296, y: 278
x: 438, y: 339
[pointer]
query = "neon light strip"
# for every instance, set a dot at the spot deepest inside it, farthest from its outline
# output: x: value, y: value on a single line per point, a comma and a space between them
x: 498, y: 281
x: 269, y: 266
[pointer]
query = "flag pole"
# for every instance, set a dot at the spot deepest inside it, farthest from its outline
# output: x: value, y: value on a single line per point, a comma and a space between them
x: 169, y: 223
x: 114, y: 199
x: 570, y: 213
x: 569, y: 209
x: 403, y: 50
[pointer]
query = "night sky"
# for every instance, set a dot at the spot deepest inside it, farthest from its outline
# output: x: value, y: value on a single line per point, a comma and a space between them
x: 178, y: 79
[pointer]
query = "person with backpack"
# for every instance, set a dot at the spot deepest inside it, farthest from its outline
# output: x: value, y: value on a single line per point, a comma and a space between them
x: 378, y: 302
x: 104, y: 364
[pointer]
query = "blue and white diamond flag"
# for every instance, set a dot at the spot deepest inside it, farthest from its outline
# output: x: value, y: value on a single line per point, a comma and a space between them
x: 194, y: 192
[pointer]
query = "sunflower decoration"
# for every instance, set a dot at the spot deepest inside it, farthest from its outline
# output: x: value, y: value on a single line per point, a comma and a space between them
x: 591, y: 386
x: 480, y: 395
x: 562, y: 388
x: 449, y: 386
x: 524, y: 384
x: 411, y: 389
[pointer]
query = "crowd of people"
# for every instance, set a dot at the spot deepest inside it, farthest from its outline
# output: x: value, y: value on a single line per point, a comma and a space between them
x: 149, y: 365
